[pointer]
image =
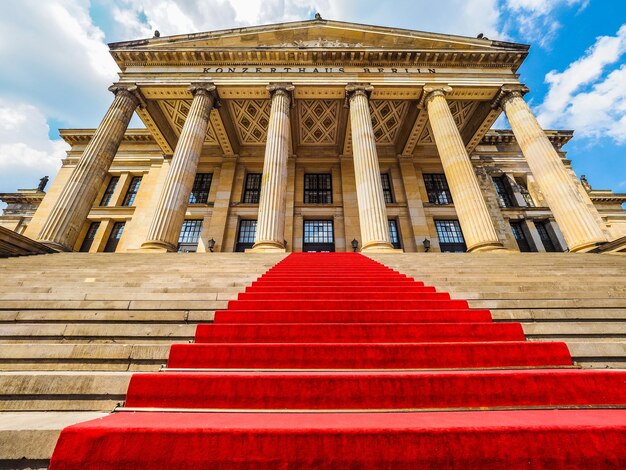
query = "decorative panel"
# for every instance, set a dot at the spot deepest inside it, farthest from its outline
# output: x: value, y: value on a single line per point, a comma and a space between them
x: 319, y: 121
x: 462, y: 111
x: 176, y: 112
x: 251, y: 119
x: 387, y: 118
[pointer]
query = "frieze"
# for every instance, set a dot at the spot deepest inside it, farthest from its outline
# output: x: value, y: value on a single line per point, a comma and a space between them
x: 322, y: 70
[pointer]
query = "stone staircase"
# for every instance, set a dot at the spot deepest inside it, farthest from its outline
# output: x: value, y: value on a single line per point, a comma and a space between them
x: 74, y: 327
x: 576, y: 298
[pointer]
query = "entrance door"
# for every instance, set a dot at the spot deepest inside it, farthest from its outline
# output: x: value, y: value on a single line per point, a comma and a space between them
x: 318, y: 235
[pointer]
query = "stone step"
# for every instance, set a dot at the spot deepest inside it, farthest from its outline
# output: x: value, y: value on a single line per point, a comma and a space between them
x: 83, y: 357
x: 62, y: 391
x: 28, y: 438
x: 109, y: 332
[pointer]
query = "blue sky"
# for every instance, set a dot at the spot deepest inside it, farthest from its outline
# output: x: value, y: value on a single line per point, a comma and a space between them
x: 56, y: 66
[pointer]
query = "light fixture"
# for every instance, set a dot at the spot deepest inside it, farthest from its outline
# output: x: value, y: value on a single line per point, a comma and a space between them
x: 355, y: 244
x: 426, y: 244
x: 211, y: 245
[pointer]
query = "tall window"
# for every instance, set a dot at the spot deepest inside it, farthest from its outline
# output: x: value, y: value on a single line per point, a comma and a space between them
x: 504, y: 191
x: 525, y: 193
x: 387, y: 190
x: 545, y: 237
x: 393, y: 234
x: 89, y: 238
x: 437, y: 188
x: 450, y: 236
x: 246, y: 236
x: 520, y: 237
x: 114, y: 237
x: 201, y: 186
x: 108, y: 193
x: 252, y: 189
x: 318, y: 189
x: 189, y: 234
x: 131, y: 194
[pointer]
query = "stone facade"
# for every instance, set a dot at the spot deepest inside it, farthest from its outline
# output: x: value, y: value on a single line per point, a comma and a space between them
x: 376, y: 137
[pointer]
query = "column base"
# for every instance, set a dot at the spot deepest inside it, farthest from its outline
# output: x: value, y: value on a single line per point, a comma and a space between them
x: 584, y: 248
x: 267, y: 247
x: 379, y: 247
x: 484, y: 247
x: 55, y: 246
x: 156, y: 246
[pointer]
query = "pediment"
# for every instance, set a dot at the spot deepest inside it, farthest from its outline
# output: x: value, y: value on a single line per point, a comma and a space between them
x: 318, y: 34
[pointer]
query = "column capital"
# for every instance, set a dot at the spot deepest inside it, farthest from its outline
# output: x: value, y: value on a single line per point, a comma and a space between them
x: 129, y: 90
x: 282, y: 88
x: 208, y: 89
x: 356, y: 89
x: 430, y: 91
x: 507, y: 92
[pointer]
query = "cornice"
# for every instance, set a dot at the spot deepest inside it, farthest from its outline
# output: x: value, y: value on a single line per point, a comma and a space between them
x: 558, y: 138
x: 336, y: 56
x: 80, y: 136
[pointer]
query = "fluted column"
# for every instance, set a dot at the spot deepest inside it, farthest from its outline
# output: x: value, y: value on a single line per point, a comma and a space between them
x: 478, y: 229
x: 67, y: 216
x: 270, y: 228
x: 170, y: 211
x: 579, y: 226
x: 369, y: 189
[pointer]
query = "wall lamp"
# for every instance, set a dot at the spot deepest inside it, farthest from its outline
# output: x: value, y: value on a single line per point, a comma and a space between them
x: 211, y: 244
x: 355, y: 244
x: 426, y: 244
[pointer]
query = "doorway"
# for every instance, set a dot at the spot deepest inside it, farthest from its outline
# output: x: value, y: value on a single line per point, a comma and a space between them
x: 318, y: 236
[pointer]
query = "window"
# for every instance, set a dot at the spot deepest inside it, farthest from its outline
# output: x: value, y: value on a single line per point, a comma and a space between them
x: 450, y: 236
x: 201, y: 186
x: 189, y: 234
x: 387, y: 191
x: 318, y: 235
x: 252, y: 189
x: 544, y: 235
x: 246, y: 236
x: 504, y: 191
x: 318, y: 189
x: 114, y: 237
x: 89, y: 238
x: 437, y: 188
x: 393, y: 234
x: 108, y: 194
x: 525, y: 193
x: 131, y: 194
x: 520, y: 237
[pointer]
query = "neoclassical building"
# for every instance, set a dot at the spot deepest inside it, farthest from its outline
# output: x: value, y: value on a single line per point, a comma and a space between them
x: 321, y: 135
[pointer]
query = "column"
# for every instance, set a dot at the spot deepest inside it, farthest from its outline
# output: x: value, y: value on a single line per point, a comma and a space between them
x: 170, y: 211
x: 474, y: 217
x: 369, y: 189
x: 67, y: 216
x: 270, y: 228
x: 579, y: 227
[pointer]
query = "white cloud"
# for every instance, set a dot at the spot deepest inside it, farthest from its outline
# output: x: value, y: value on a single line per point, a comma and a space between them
x: 589, y: 95
x: 26, y: 152
x: 534, y: 20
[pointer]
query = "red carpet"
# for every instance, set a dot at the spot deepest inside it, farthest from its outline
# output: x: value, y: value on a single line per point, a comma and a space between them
x: 335, y: 361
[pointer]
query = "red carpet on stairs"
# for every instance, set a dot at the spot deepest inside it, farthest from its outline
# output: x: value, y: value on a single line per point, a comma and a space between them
x: 335, y: 361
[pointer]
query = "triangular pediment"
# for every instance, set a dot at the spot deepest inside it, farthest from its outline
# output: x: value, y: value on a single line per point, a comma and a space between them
x: 319, y: 34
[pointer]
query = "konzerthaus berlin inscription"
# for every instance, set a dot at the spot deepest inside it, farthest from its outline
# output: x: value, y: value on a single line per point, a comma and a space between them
x: 320, y: 136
